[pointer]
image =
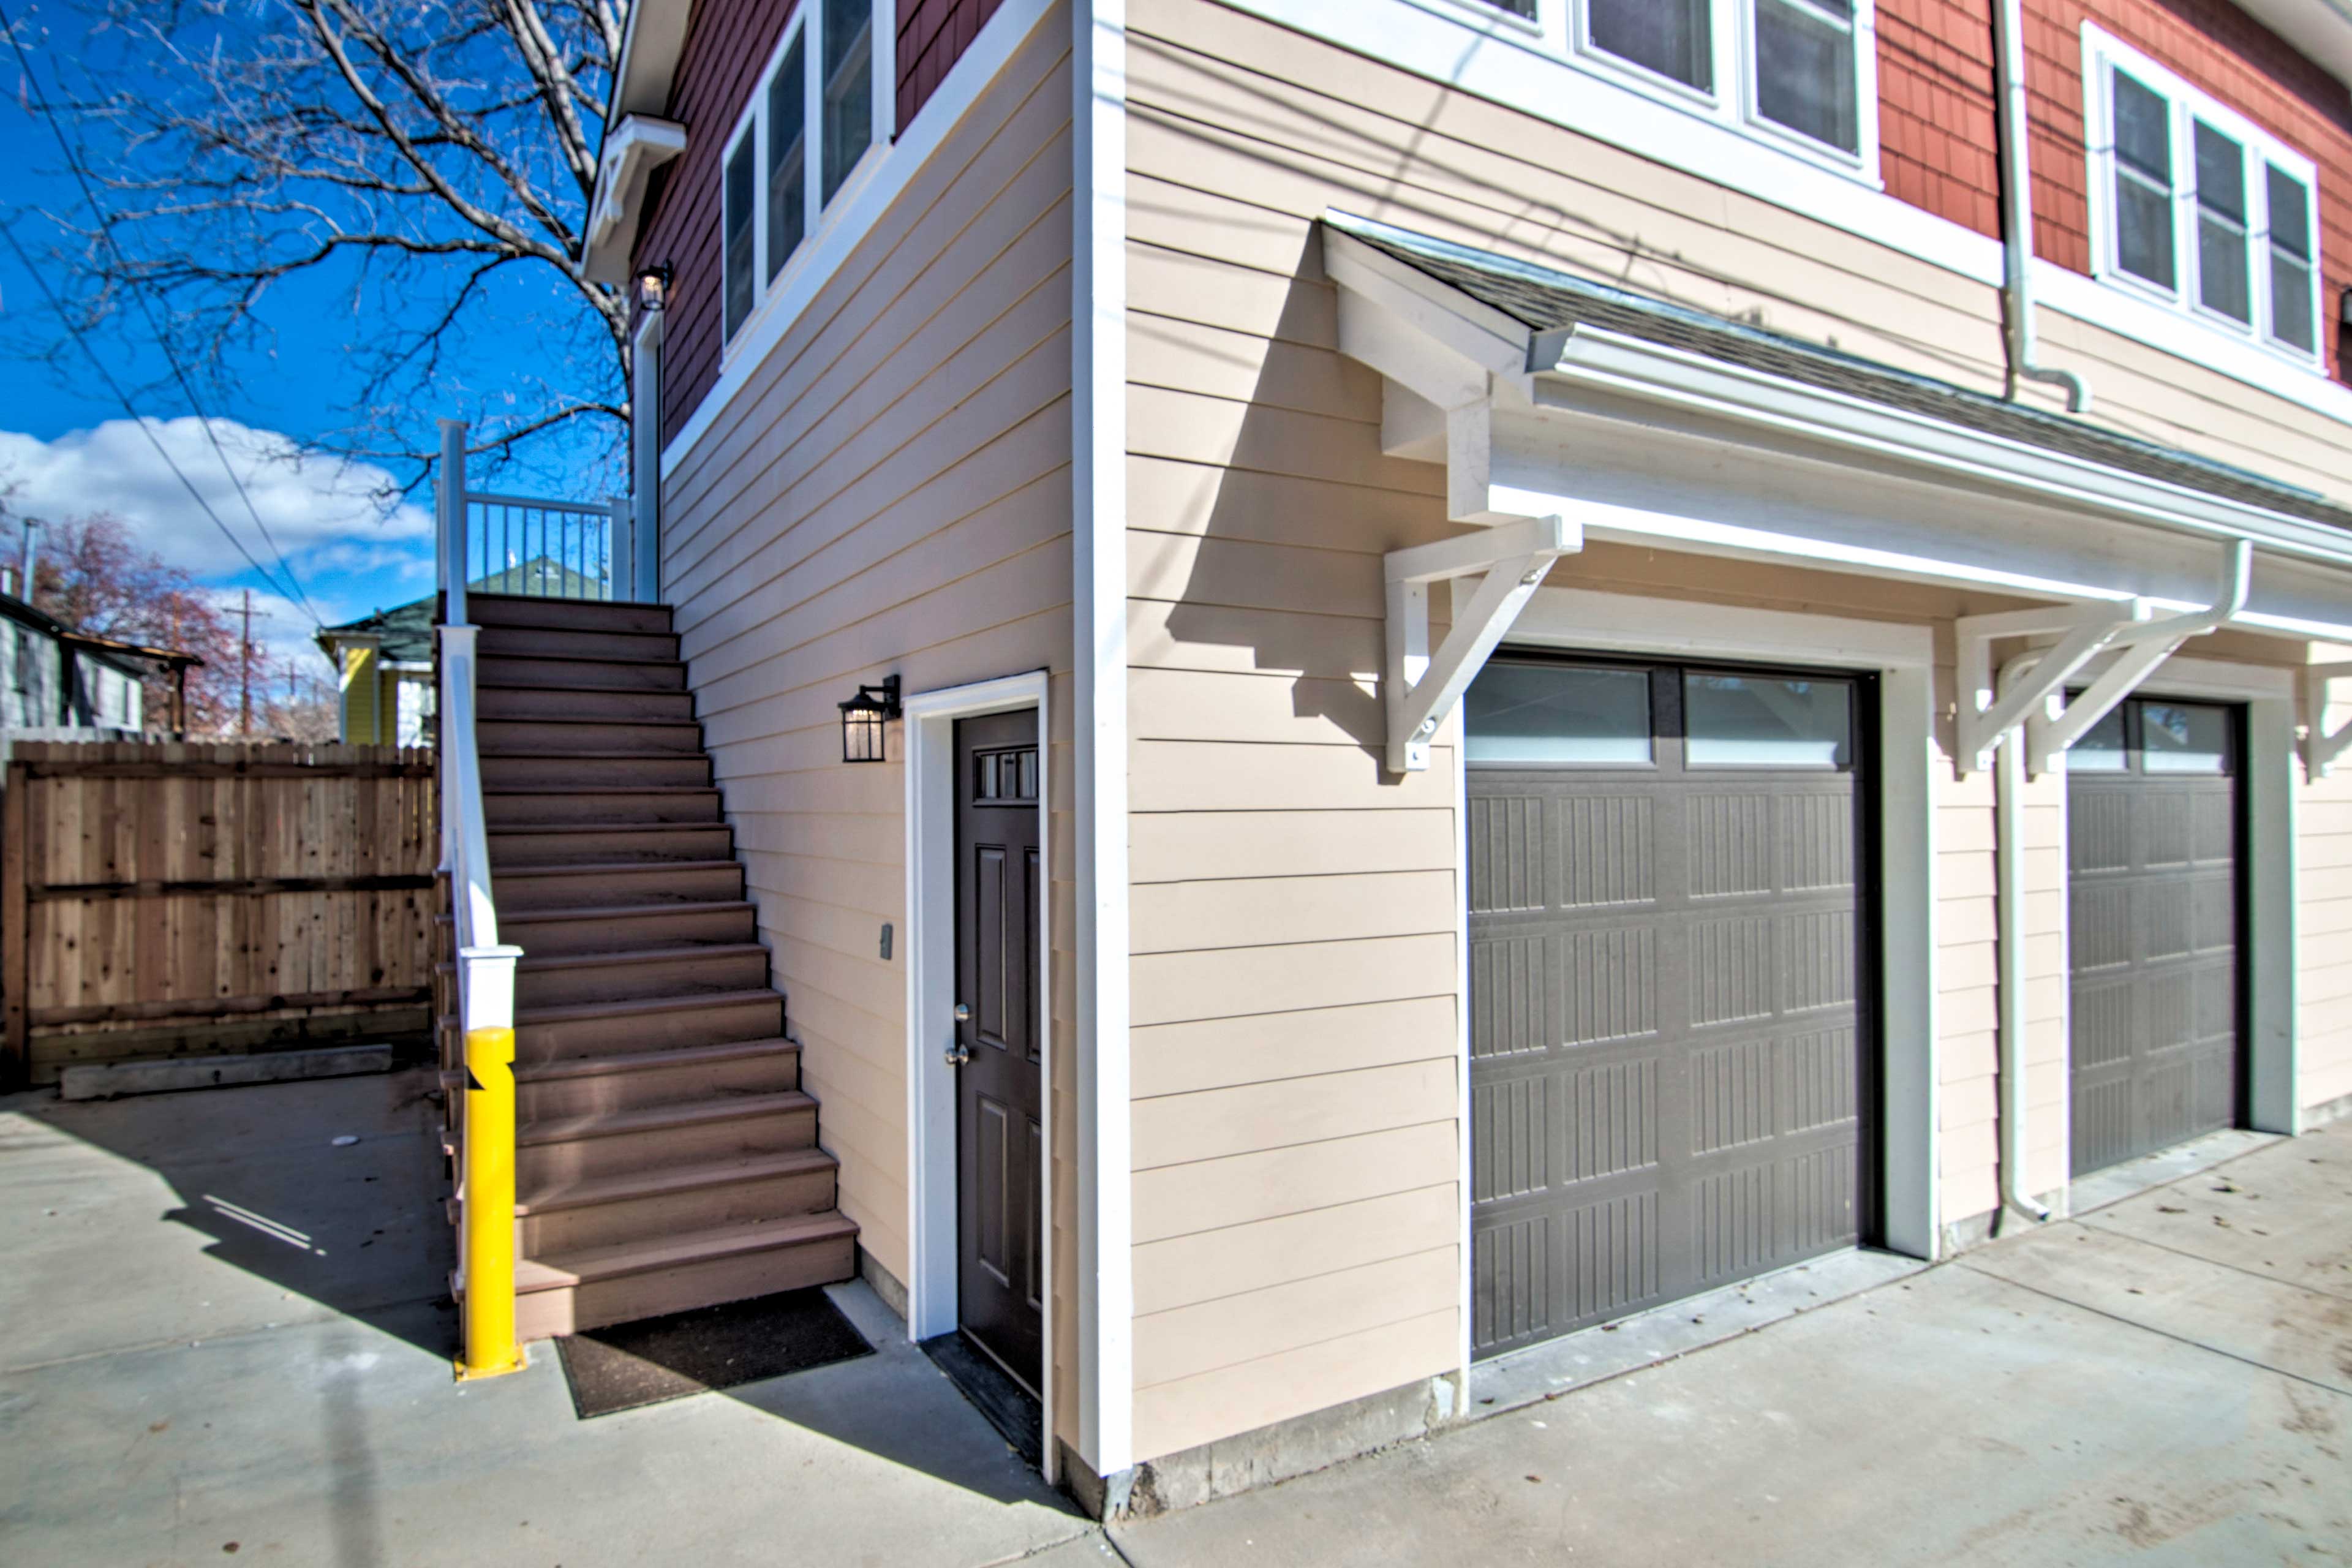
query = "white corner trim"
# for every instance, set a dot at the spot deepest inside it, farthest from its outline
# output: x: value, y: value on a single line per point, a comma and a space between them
x: 638, y: 145
x: 1098, y: 535
x: 860, y: 204
x: 929, y: 944
x: 1528, y: 74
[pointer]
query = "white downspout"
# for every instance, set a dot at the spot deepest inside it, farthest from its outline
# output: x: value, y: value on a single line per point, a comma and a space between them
x: 2017, y: 217
x: 2009, y: 851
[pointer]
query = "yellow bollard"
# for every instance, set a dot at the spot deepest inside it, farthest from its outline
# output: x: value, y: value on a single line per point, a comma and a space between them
x: 486, y: 1207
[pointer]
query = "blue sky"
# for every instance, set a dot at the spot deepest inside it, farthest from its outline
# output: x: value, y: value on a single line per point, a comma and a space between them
x: 67, y: 447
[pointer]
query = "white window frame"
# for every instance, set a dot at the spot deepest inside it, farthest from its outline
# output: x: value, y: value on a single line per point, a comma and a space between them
x: 2103, y: 56
x: 807, y: 21
x: 1734, y: 100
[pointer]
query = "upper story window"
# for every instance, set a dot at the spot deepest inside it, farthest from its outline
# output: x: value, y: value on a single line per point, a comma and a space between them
x: 2194, y: 205
x: 1801, y: 72
x: 816, y: 113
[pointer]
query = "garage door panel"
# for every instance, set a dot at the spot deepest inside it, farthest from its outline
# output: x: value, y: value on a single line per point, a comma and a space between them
x: 1699, y: 960
x: 2153, y: 935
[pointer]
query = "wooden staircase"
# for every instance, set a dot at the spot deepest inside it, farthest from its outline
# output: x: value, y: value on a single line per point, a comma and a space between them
x: 667, y: 1157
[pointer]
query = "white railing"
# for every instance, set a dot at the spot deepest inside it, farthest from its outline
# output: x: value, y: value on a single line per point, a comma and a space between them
x: 534, y: 545
x: 485, y: 967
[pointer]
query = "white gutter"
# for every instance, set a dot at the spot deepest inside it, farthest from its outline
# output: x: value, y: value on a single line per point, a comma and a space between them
x: 2017, y: 217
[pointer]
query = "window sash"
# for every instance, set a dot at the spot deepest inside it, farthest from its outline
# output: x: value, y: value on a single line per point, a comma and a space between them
x: 786, y: 137
x: 1782, y: 34
x: 1672, y: 40
x: 2224, y: 271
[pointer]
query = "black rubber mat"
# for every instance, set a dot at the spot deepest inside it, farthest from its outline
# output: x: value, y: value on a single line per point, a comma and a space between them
x: 1009, y: 1409
x: 669, y: 1357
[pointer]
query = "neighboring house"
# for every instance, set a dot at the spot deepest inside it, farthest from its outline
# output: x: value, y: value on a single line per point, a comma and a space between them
x: 58, y: 684
x: 384, y: 663
x: 1544, y: 614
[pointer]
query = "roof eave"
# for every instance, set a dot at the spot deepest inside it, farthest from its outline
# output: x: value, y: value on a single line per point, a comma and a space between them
x: 643, y: 79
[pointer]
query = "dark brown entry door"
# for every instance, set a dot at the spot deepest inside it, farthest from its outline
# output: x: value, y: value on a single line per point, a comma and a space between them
x: 997, y: 1115
x: 1666, y: 984
x: 2152, y: 830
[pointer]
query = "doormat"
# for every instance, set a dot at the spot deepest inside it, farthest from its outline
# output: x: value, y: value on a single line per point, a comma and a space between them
x: 1012, y: 1409
x: 678, y: 1354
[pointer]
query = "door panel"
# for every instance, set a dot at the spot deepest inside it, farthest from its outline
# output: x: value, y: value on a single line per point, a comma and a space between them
x: 998, y: 1113
x: 1667, y: 985
x: 2152, y: 814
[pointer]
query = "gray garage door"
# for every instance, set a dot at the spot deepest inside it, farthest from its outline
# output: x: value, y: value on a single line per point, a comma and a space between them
x: 2152, y: 825
x: 1667, y: 984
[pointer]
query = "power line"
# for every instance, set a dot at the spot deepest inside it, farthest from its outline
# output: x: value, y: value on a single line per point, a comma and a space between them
x: 146, y: 308
x: 58, y: 306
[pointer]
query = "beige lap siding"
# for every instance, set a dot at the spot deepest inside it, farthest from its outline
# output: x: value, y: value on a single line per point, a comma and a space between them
x: 2324, y: 926
x: 890, y: 493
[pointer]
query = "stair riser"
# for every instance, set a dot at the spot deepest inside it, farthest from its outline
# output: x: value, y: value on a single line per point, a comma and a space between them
x: 573, y: 1038
x: 642, y: 739
x: 607, y: 1093
x: 648, y: 676
x: 640, y: 982
x: 576, y: 772
x: 509, y: 849
x: 654, y: 927
x: 555, y: 808
x: 659, y: 1149
x: 655, y: 884
x: 543, y: 1314
x: 574, y: 614
x: 548, y: 642
x: 513, y: 702
x: 674, y: 1214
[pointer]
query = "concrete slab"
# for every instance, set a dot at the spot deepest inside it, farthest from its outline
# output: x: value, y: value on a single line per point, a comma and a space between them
x: 2280, y: 1212
x: 2133, y: 1177
x: 2287, y: 1328
x: 1948, y: 1419
x: 1576, y: 1361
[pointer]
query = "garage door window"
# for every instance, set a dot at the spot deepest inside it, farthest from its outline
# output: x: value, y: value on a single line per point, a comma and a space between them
x: 2184, y: 737
x: 1534, y: 714
x: 1749, y: 721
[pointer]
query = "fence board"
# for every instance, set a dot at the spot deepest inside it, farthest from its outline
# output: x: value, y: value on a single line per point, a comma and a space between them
x: 162, y: 892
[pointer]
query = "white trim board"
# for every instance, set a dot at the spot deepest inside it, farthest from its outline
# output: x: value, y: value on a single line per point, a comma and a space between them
x: 1902, y: 655
x: 1526, y: 71
x: 883, y: 176
x: 931, y: 946
x: 1098, y: 600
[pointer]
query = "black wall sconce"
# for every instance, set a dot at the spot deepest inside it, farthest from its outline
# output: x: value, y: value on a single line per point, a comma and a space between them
x: 651, y: 288
x: 864, y: 719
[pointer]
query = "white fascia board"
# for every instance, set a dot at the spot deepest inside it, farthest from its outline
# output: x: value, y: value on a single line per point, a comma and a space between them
x: 2320, y: 29
x: 651, y: 48
x: 637, y: 146
x: 1450, y: 43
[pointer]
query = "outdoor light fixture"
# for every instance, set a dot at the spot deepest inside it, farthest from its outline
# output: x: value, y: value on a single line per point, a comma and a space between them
x: 863, y: 718
x: 652, y: 287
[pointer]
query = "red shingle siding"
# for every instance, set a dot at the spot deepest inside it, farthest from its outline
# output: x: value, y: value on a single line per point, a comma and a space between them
x: 1938, y: 136
x: 932, y: 36
x: 726, y: 45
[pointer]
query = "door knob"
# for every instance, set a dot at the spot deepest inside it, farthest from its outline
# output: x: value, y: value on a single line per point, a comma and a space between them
x: 956, y: 1054
x: 963, y: 1013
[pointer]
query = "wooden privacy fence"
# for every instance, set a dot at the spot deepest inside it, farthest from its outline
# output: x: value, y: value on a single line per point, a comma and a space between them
x: 170, y: 898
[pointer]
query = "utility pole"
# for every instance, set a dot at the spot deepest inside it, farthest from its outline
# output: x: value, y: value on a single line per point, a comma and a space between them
x: 245, y: 674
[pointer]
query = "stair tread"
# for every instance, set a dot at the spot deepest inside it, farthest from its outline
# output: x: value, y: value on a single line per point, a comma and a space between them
x: 569, y: 1012
x: 647, y: 1061
x: 655, y: 1118
x: 602, y: 956
x: 607, y: 867
x: 557, y: 1195
x: 625, y: 722
x: 622, y: 911
x: 535, y: 753
x: 590, y: 1264
x: 568, y: 790
x: 481, y: 685
x: 499, y: 829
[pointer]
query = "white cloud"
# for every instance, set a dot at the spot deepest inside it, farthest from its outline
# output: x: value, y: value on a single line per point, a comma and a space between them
x: 331, y: 518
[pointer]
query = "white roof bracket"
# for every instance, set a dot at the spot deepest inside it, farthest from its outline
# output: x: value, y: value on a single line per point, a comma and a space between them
x: 2320, y: 749
x: 1419, y: 689
x: 2031, y: 693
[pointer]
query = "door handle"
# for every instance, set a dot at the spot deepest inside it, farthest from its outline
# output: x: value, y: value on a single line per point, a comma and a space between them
x: 957, y: 1055
x: 963, y: 1013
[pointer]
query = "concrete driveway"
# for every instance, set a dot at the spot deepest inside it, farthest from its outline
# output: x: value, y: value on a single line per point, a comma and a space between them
x: 223, y: 1340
